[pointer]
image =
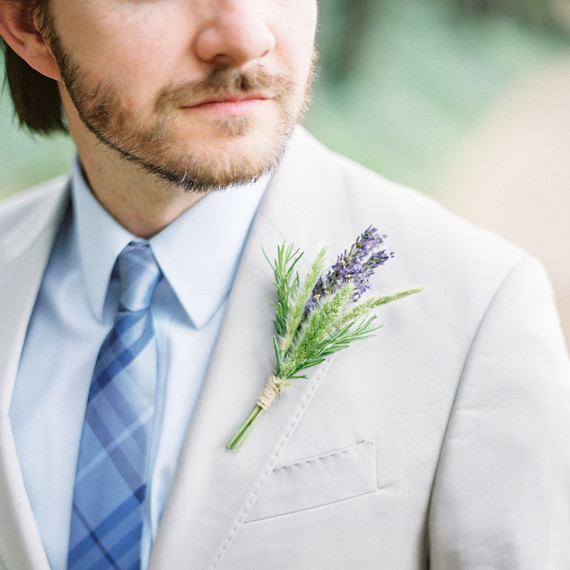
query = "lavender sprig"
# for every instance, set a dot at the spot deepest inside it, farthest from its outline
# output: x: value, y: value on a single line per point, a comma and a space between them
x: 319, y: 318
x: 355, y: 266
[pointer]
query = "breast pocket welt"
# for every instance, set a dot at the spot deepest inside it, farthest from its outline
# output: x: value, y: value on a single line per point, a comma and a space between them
x: 318, y: 481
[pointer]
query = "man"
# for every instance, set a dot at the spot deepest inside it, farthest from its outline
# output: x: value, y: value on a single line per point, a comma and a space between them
x: 440, y: 442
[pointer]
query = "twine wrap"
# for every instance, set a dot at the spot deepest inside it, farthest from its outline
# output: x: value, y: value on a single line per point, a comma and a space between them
x: 269, y: 393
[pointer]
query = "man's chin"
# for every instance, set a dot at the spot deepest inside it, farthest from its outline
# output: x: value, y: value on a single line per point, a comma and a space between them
x: 193, y: 173
x: 222, y: 162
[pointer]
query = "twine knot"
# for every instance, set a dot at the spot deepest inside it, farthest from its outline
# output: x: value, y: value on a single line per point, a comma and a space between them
x: 269, y: 393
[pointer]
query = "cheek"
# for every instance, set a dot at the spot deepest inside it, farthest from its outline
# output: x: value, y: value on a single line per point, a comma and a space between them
x: 298, y: 34
x: 153, y: 42
x: 125, y: 46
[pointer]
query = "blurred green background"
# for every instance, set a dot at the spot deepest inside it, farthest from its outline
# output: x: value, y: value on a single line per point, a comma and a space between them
x: 402, y: 82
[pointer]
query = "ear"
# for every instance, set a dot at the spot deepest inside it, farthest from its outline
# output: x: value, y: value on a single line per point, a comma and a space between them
x: 18, y: 28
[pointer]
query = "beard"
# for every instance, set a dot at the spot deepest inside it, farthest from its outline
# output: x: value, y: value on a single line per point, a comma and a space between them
x: 153, y: 142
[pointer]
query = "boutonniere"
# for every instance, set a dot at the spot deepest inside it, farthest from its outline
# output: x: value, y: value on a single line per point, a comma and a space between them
x: 321, y: 316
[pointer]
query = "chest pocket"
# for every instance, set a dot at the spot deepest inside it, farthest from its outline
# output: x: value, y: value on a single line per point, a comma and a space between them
x: 318, y: 481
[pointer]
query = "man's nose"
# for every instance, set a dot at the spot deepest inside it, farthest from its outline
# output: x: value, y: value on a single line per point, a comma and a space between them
x: 235, y: 34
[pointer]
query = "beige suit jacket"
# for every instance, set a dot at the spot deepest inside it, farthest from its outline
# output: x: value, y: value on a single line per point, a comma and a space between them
x: 443, y: 441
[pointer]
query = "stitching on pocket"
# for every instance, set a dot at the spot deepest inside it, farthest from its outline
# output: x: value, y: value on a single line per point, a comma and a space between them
x: 322, y: 458
x: 286, y: 495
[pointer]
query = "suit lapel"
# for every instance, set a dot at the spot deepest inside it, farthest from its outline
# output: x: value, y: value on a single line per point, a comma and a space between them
x: 215, y: 488
x: 24, y: 254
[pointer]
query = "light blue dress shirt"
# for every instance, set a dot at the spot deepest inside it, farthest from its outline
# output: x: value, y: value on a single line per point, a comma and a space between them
x: 198, y: 254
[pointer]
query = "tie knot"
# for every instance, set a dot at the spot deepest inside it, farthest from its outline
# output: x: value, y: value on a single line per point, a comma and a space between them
x: 139, y: 275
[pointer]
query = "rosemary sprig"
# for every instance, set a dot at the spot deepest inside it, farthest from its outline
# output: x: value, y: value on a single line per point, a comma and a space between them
x: 297, y: 312
x: 286, y: 281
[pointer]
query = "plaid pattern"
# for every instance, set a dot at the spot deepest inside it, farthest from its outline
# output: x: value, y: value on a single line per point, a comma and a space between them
x: 110, y: 486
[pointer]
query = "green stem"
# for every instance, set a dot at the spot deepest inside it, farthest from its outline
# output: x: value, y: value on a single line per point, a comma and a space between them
x: 241, y: 434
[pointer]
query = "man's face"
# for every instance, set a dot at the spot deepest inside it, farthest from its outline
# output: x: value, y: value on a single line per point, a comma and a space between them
x: 203, y: 93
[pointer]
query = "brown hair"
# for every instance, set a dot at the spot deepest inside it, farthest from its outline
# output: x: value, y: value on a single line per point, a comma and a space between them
x: 36, y: 98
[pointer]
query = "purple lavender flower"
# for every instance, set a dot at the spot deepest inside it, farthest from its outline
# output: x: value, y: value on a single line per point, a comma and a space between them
x: 355, y: 266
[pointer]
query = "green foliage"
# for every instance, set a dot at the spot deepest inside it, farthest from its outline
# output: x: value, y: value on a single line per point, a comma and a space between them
x: 297, y: 305
x: 305, y: 337
x: 363, y: 308
x: 286, y: 281
x: 314, y: 333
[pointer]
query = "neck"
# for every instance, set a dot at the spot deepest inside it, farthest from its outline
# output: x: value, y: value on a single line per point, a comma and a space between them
x: 139, y: 201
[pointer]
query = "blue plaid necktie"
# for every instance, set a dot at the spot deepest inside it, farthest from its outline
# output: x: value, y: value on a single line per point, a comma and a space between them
x: 110, y: 483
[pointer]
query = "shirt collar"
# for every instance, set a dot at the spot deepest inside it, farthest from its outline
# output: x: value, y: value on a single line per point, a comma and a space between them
x: 198, y: 253
x: 100, y: 239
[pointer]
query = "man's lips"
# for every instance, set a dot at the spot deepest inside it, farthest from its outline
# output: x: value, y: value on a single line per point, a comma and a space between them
x: 240, y: 104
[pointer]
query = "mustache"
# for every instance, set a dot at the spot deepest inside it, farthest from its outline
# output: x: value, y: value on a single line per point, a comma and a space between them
x: 225, y: 80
